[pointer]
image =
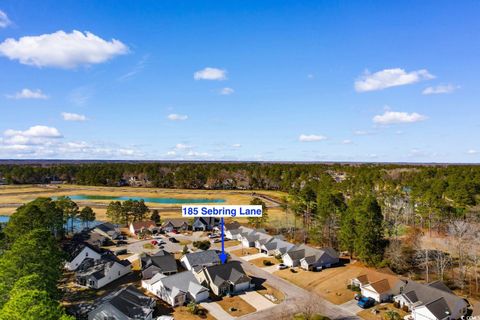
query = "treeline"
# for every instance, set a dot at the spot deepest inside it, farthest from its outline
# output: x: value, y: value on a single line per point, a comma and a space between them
x: 31, y: 261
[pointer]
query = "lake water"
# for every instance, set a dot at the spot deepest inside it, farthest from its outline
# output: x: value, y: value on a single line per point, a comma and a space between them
x: 151, y: 200
x: 77, y: 224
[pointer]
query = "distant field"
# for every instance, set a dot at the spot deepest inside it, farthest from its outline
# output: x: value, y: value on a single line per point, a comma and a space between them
x: 13, y: 196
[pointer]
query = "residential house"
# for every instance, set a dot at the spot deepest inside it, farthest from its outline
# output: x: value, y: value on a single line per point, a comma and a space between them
x: 432, y: 301
x: 98, y: 273
x: 314, y: 258
x: 378, y: 286
x: 231, y: 226
x: 124, y: 304
x: 276, y: 247
x: 175, y: 224
x: 160, y: 262
x: 200, y: 259
x: 143, y: 226
x: 176, y: 289
x: 108, y: 229
x: 224, y: 279
x: 292, y: 257
x: 250, y: 239
x: 81, y: 252
x: 204, y: 223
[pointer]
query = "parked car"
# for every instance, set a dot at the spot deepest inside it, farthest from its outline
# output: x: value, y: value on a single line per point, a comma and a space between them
x: 217, y: 240
x: 120, y: 252
x: 175, y: 231
x: 172, y: 239
x: 213, y: 236
x: 316, y: 269
x: 154, y: 242
x: 121, y: 243
x: 281, y: 266
x: 365, y: 302
x: 161, y: 242
x: 161, y: 247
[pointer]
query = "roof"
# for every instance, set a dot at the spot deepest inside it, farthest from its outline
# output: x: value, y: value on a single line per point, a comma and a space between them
x: 78, y: 248
x: 312, y: 255
x: 137, y: 225
x: 202, y: 258
x: 176, y: 223
x: 439, y: 308
x: 106, y: 227
x: 425, y: 293
x: 165, y: 263
x: 276, y: 243
x: 232, y: 225
x: 373, y: 276
x: 381, y: 286
x: 129, y: 301
x: 97, y: 268
x: 207, y: 221
x: 179, y: 282
x: 231, y: 272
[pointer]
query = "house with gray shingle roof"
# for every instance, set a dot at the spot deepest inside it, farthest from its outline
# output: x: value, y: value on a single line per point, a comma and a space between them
x: 160, y: 262
x: 431, y: 301
x: 98, y: 273
x: 314, y: 258
x: 175, y: 224
x: 225, y: 278
x: 177, y: 289
x: 276, y: 246
x: 124, y: 304
x: 200, y: 259
x: 204, y: 223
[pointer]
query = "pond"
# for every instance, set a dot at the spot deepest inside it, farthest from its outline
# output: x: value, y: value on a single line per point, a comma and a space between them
x: 151, y: 200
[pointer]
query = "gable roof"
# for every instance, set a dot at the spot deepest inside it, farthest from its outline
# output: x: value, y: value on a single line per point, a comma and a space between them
x: 179, y: 282
x: 231, y: 272
x: 176, y: 223
x: 165, y: 263
x: 232, y: 225
x: 202, y: 258
x: 130, y: 301
x: 137, y: 225
x: 206, y: 221
x: 106, y: 227
x: 425, y: 293
x: 439, y: 308
x: 381, y: 286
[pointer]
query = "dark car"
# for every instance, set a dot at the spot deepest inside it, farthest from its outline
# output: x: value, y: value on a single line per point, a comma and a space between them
x: 365, y: 302
x: 172, y: 239
x: 121, y: 243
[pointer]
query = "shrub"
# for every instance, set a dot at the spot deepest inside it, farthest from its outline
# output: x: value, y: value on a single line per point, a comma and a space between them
x: 202, y: 245
x: 267, y: 263
x: 405, y: 308
x: 349, y: 286
x: 193, y: 307
x: 293, y: 270
x: 396, y: 304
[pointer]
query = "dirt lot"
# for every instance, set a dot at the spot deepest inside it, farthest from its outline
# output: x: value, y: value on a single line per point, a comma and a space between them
x: 244, y: 252
x: 259, y: 262
x: 382, y: 309
x: 330, y: 284
x: 241, y: 306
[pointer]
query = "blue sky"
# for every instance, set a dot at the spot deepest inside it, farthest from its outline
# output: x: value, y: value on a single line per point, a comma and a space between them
x: 240, y: 80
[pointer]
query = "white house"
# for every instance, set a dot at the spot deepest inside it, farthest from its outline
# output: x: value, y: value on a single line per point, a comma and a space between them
x: 82, y: 252
x: 314, y: 258
x: 175, y: 224
x: 432, y: 301
x: 141, y: 226
x: 96, y: 274
x: 176, y: 289
x: 378, y: 286
x: 292, y: 257
x: 276, y: 247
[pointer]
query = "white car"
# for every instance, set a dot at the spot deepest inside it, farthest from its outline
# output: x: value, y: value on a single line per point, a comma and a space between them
x: 212, y: 236
x: 281, y: 266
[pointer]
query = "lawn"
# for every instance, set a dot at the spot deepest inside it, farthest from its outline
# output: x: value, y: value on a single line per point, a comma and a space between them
x: 148, y: 246
x: 228, y: 244
x: 382, y: 309
x: 330, y: 284
x: 244, y: 252
x: 269, y: 291
x: 241, y: 306
x: 182, y: 313
x: 259, y: 262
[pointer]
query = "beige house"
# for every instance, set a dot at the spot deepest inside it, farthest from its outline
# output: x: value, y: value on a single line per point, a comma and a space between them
x: 224, y: 279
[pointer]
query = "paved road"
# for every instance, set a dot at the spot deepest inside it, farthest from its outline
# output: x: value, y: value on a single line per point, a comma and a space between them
x: 297, y: 299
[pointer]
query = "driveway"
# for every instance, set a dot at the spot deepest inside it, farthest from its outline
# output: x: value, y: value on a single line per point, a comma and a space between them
x: 215, y: 310
x: 351, y: 306
x: 254, y: 256
x: 271, y: 269
x: 258, y: 301
x: 136, y: 246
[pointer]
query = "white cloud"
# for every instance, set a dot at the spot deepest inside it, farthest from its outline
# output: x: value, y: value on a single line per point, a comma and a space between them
x: 472, y: 151
x: 226, y: 91
x: 310, y: 138
x: 28, y: 94
x: 67, y: 116
x: 181, y: 146
x: 210, y: 74
x: 390, y: 78
x: 441, y: 89
x: 61, y: 49
x: 390, y: 117
x: 347, y: 141
x: 360, y: 133
x: 177, y: 117
x: 4, y: 20
x: 236, y: 145
x: 32, y: 136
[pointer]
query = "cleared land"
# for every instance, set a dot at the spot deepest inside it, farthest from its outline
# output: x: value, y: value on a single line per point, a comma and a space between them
x: 245, y: 252
x: 330, y: 284
x: 240, y: 306
x: 13, y: 196
x: 182, y: 313
x: 268, y: 291
x: 259, y: 262
x: 382, y: 309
